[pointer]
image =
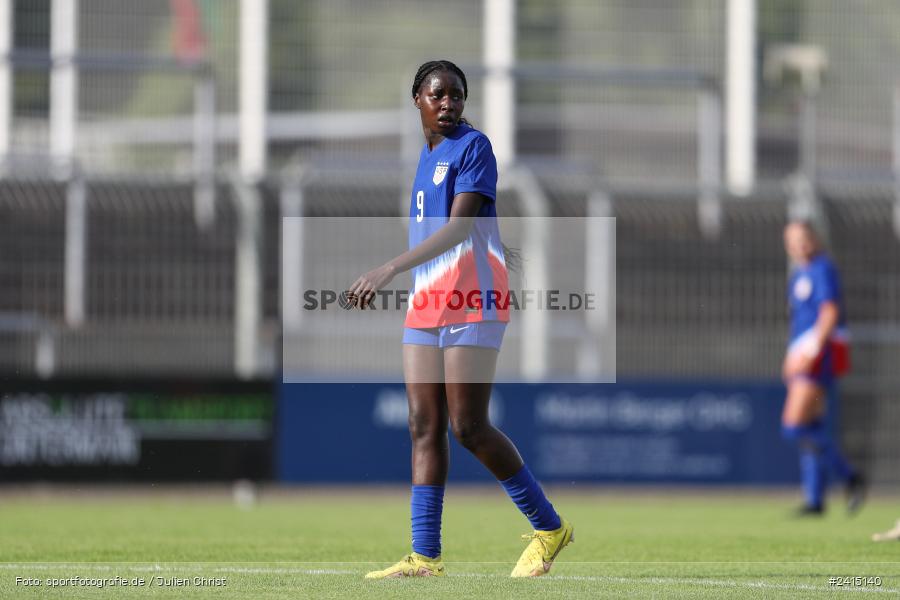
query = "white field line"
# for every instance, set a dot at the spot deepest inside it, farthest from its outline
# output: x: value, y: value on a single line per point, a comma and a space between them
x: 718, y: 583
x: 63, y: 564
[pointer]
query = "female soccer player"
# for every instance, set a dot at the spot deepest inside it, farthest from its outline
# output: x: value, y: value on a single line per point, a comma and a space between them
x: 450, y: 347
x: 816, y: 355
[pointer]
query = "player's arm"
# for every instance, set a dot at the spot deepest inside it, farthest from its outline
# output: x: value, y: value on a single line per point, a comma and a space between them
x: 801, y: 362
x: 826, y: 322
x: 462, y: 216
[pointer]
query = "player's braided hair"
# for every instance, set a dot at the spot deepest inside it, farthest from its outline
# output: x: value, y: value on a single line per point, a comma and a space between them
x: 440, y: 65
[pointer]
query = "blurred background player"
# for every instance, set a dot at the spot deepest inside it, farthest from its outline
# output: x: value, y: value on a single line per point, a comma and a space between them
x: 450, y: 352
x: 817, y: 354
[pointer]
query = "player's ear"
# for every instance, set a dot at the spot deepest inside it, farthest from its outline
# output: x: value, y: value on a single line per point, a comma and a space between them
x: 416, y: 101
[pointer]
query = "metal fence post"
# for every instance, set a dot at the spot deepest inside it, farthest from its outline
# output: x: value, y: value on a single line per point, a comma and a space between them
x: 204, y: 148
x: 595, y: 358
x: 248, y: 279
x: 740, y: 86
x: 804, y: 202
x: 709, y: 167
x: 252, y: 155
x: 499, y: 84
x: 7, y: 19
x: 75, y: 249
x: 292, y: 242
x: 896, y: 162
x: 808, y: 160
x: 535, y: 244
x: 63, y: 82
x: 253, y: 74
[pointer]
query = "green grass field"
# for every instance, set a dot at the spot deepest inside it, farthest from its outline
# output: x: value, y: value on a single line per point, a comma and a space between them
x: 319, y: 543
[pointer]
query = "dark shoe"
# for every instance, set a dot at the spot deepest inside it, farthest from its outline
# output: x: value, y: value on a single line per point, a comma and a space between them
x: 809, y: 511
x: 856, y: 493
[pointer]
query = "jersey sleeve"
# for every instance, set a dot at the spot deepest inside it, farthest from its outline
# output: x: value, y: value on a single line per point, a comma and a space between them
x: 478, y: 170
x: 825, y: 284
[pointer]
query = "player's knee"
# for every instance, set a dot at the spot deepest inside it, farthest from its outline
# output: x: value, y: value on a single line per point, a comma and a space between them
x: 423, y: 428
x: 471, y: 435
x: 803, y: 436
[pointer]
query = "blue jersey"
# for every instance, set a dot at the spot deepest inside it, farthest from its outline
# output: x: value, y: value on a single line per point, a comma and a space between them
x: 468, y: 283
x: 809, y: 287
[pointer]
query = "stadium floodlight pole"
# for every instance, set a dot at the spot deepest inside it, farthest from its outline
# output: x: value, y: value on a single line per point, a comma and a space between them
x: 63, y: 83
x: 740, y: 96
x: 6, y: 79
x: 499, y: 34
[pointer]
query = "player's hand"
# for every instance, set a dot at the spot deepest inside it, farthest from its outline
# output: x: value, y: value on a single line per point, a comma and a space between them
x: 362, y: 293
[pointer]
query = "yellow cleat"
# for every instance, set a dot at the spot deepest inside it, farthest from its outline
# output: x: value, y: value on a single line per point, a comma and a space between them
x: 412, y: 565
x: 538, y: 557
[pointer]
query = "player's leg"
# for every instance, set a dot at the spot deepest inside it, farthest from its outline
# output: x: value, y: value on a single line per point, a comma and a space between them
x: 805, y: 402
x: 803, y: 423
x: 806, y: 421
x: 469, y: 371
x: 804, y: 406
x: 423, y: 369
x: 423, y: 372
x: 837, y: 463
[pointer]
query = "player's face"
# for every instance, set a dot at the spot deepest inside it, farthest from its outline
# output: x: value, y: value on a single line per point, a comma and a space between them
x: 799, y: 244
x: 441, y: 101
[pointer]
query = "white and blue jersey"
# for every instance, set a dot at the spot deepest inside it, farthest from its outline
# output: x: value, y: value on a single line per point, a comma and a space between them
x: 809, y: 287
x: 469, y: 282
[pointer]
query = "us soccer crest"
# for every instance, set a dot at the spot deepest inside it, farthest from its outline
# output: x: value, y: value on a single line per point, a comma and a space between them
x: 803, y: 288
x: 440, y: 171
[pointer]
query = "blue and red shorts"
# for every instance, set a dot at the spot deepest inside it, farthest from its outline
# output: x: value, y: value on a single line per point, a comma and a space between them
x: 829, y: 363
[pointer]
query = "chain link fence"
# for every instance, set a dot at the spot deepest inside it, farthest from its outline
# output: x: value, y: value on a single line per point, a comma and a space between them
x: 159, y: 284
x: 157, y: 292
x: 352, y: 62
x: 160, y: 293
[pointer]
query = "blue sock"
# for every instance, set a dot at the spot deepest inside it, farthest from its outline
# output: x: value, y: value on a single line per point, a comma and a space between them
x: 812, y: 468
x: 832, y: 457
x: 427, y: 503
x: 812, y: 464
x: 526, y: 492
